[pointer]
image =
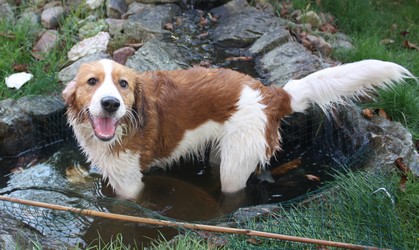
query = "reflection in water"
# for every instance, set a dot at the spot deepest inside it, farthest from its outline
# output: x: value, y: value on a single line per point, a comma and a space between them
x: 189, y: 191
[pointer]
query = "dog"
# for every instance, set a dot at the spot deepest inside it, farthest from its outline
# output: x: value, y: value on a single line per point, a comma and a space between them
x: 125, y: 121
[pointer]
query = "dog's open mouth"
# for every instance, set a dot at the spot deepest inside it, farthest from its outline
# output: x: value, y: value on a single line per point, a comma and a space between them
x: 104, y: 127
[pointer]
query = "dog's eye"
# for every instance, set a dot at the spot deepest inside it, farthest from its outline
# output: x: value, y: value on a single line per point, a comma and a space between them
x: 123, y: 83
x: 92, y: 81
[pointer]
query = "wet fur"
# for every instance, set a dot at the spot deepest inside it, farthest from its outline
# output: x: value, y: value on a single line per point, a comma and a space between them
x: 169, y: 114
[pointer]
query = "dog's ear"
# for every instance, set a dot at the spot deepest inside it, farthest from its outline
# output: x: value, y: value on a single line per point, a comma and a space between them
x: 140, y: 104
x: 69, y: 92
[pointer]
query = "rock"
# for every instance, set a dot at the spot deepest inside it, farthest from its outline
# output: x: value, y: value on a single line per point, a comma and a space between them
x: 288, y: 61
x: 51, y: 16
x: 341, y: 41
x: 310, y: 17
x: 6, y: 13
x: 68, y: 73
x: 26, y: 123
x: 240, y: 25
x: 89, y: 46
x: 157, y: 55
x: 149, y: 23
x: 121, y: 55
x: 270, y: 40
x: 15, y: 129
x: 45, y: 106
x: 45, y: 44
x: 115, y: 8
x: 94, y: 4
x: 164, y: 1
x: 92, y: 28
x: 52, y: 4
x: 134, y: 8
x: 29, y: 17
x: 116, y: 26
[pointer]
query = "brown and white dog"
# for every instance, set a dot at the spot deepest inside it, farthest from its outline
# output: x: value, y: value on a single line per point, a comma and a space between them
x: 126, y: 121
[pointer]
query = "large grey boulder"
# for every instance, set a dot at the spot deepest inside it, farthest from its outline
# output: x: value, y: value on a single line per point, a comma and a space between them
x: 157, y: 55
x: 240, y: 24
x: 27, y: 123
x: 68, y: 73
x: 150, y: 21
x: 288, y: 61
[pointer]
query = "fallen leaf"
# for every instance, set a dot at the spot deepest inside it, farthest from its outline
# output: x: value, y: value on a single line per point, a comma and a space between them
x: 202, y: 35
x: 327, y: 27
x: 254, y: 241
x: 367, y: 113
x: 387, y: 41
x: 312, y: 177
x: 239, y: 58
x: 20, y: 67
x: 401, y: 166
x: 404, y: 33
x: 17, y: 170
x: 203, y: 21
x: 135, y: 45
x: 410, y: 45
x: 383, y: 113
x: 168, y: 26
x: 286, y: 167
x: 402, y: 183
x: 404, y: 170
x: 214, y: 241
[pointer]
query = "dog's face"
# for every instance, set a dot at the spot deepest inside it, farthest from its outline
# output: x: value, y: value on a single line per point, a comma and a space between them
x: 102, y: 95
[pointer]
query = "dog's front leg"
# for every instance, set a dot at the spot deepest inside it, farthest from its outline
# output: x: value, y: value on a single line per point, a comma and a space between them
x: 124, y: 175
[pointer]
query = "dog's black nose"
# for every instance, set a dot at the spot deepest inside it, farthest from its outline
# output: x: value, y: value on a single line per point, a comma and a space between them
x: 110, y: 103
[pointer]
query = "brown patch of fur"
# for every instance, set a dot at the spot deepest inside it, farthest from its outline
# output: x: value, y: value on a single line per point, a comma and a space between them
x: 168, y: 103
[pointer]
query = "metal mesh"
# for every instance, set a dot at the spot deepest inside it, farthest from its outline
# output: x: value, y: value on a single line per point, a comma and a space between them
x: 329, y: 138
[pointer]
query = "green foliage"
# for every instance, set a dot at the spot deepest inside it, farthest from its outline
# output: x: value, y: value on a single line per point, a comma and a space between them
x: 16, y: 43
x: 380, y: 29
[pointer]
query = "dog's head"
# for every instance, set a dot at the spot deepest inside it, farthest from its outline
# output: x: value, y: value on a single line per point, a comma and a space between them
x: 103, y: 94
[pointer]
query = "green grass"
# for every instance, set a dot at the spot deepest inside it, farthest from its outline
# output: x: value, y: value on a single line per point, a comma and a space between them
x: 368, y: 23
x: 350, y: 213
x: 16, y: 44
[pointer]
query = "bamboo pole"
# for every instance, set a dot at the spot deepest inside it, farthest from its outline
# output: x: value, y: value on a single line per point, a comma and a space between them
x: 217, y: 229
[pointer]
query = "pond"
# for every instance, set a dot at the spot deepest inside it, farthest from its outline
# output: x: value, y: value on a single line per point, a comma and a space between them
x: 314, y: 147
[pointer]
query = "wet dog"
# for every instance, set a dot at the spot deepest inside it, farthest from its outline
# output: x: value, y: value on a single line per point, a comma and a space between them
x: 126, y: 122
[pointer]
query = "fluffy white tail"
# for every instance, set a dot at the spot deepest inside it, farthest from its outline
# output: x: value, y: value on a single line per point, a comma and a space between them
x: 328, y: 86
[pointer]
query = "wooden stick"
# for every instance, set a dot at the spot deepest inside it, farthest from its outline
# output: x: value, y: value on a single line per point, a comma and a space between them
x: 218, y: 229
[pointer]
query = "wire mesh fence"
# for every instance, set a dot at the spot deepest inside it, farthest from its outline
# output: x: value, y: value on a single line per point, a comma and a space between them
x: 317, y: 139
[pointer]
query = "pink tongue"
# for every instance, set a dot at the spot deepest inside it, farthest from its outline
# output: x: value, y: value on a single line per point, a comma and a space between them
x: 104, y: 127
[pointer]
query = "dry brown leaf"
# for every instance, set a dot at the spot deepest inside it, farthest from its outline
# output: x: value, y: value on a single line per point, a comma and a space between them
x: 312, y: 177
x: 20, y: 67
x: 410, y: 45
x: 168, y: 26
x: 387, y: 41
x: 327, y: 27
x: 254, y: 241
x: 404, y: 169
x: 239, y: 58
x: 367, y: 113
x: 383, y: 113
x: 16, y: 170
x: 286, y: 167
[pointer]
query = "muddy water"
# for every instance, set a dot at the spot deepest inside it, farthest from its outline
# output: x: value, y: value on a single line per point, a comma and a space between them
x: 313, y: 147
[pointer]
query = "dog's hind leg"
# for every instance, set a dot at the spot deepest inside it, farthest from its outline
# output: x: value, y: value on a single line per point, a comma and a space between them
x: 243, y: 145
